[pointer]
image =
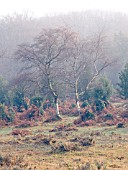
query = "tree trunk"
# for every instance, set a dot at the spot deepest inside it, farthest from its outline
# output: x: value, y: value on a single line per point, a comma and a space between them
x: 77, y: 102
x: 57, y: 107
x: 55, y: 98
x: 77, y: 97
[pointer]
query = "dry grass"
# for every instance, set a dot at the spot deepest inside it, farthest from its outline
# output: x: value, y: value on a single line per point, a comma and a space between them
x: 44, y: 149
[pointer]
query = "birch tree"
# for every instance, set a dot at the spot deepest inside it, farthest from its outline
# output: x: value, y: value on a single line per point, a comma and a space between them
x: 44, y: 58
x: 86, y: 54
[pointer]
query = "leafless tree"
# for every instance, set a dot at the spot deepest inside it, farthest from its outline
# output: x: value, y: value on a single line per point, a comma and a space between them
x: 85, y: 54
x: 44, y: 58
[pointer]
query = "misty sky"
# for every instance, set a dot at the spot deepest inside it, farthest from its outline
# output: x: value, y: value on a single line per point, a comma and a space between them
x: 43, y: 7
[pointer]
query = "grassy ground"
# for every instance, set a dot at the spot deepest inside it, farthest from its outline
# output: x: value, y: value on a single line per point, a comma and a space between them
x: 64, y: 150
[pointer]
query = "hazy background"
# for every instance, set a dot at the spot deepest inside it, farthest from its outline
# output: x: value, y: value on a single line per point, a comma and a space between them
x: 21, y: 21
x: 41, y: 7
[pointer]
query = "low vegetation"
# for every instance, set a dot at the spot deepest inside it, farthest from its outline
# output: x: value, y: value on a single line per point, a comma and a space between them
x: 76, y: 142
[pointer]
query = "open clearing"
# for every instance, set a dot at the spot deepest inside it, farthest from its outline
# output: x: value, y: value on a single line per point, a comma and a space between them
x: 47, y: 147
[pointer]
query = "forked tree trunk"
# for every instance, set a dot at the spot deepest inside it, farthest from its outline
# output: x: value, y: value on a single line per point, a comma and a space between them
x: 55, y: 96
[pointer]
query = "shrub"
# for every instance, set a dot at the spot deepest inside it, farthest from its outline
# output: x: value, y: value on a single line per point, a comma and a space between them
x: 73, y: 105
x: 3, y: 115
x: 52, y: 119
x: 103, y: 89
x: 99, y: 165
x: 84, y: 104
x: 87, y: 116
x: 124, y: 114
x: 1, y: 160
x: 64, y: 147
x: 87, y: 141
x: 41, y: 111
x: 3, y: 91
x: 87, y: 95
x: 9, y: 161
x: 77, y: 121
x: 18, y: 100
x: 86, y: 166
x: 25, y: 124
x: 120, y: 125
x: 47, y: 105
x: 108, y: 116
x: 88, y: 123
x: 100, y: 105
x: 64, y: 128
x: 37, y: 101
x: 11, y: 115
x: 20, y: 132
x: 123, y: 84
x: 6, y: 114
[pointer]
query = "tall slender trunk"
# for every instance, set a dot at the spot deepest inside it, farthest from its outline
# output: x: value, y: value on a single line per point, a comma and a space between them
x: 55, y: 96
x: 77, y: 102
x: 77, y: 97
x: 57, y: 107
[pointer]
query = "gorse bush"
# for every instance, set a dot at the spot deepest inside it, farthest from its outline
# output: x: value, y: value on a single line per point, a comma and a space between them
x: 84, y: 104
x: 87, y: 96
x: 73, y: 105
x: 18, y: 100
x: 103, y: 89
x: 47, y: 105
x: 7, y: 115
x: 3, y: 115
x: 100, y: 105
x: 108, y: 116
x: 123, y: 83
x: 99, y: 94
x: 87, y: 116
x: 37, y: 101
x: 3, y: 91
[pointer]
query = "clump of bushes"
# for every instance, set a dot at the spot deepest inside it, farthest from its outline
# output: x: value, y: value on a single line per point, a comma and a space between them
x: 108, y: 117
x: 10, y: 161
x: 52, y: 119
x: 47, y: 104
x: 98, y: 95
x: 87, y: 115
x: 100, y: 105
x: 3, y: 115
x: 84, y: 104
x: 64, y: 147
x: 88, y: 141
x: 6, y: 114
x: 73, y: 105
x: 37, y: 101
x: 86, y: 166
x: 124, y: 114
x: 20, y: 132
x: 97, y: 165
x: 87, y: 118
x: 121, y: 125
x: 18, y: 101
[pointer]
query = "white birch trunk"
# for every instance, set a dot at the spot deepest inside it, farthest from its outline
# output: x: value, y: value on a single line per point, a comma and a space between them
x: 57, y: 108
x: 78, y: 103
x: 77, y: 97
